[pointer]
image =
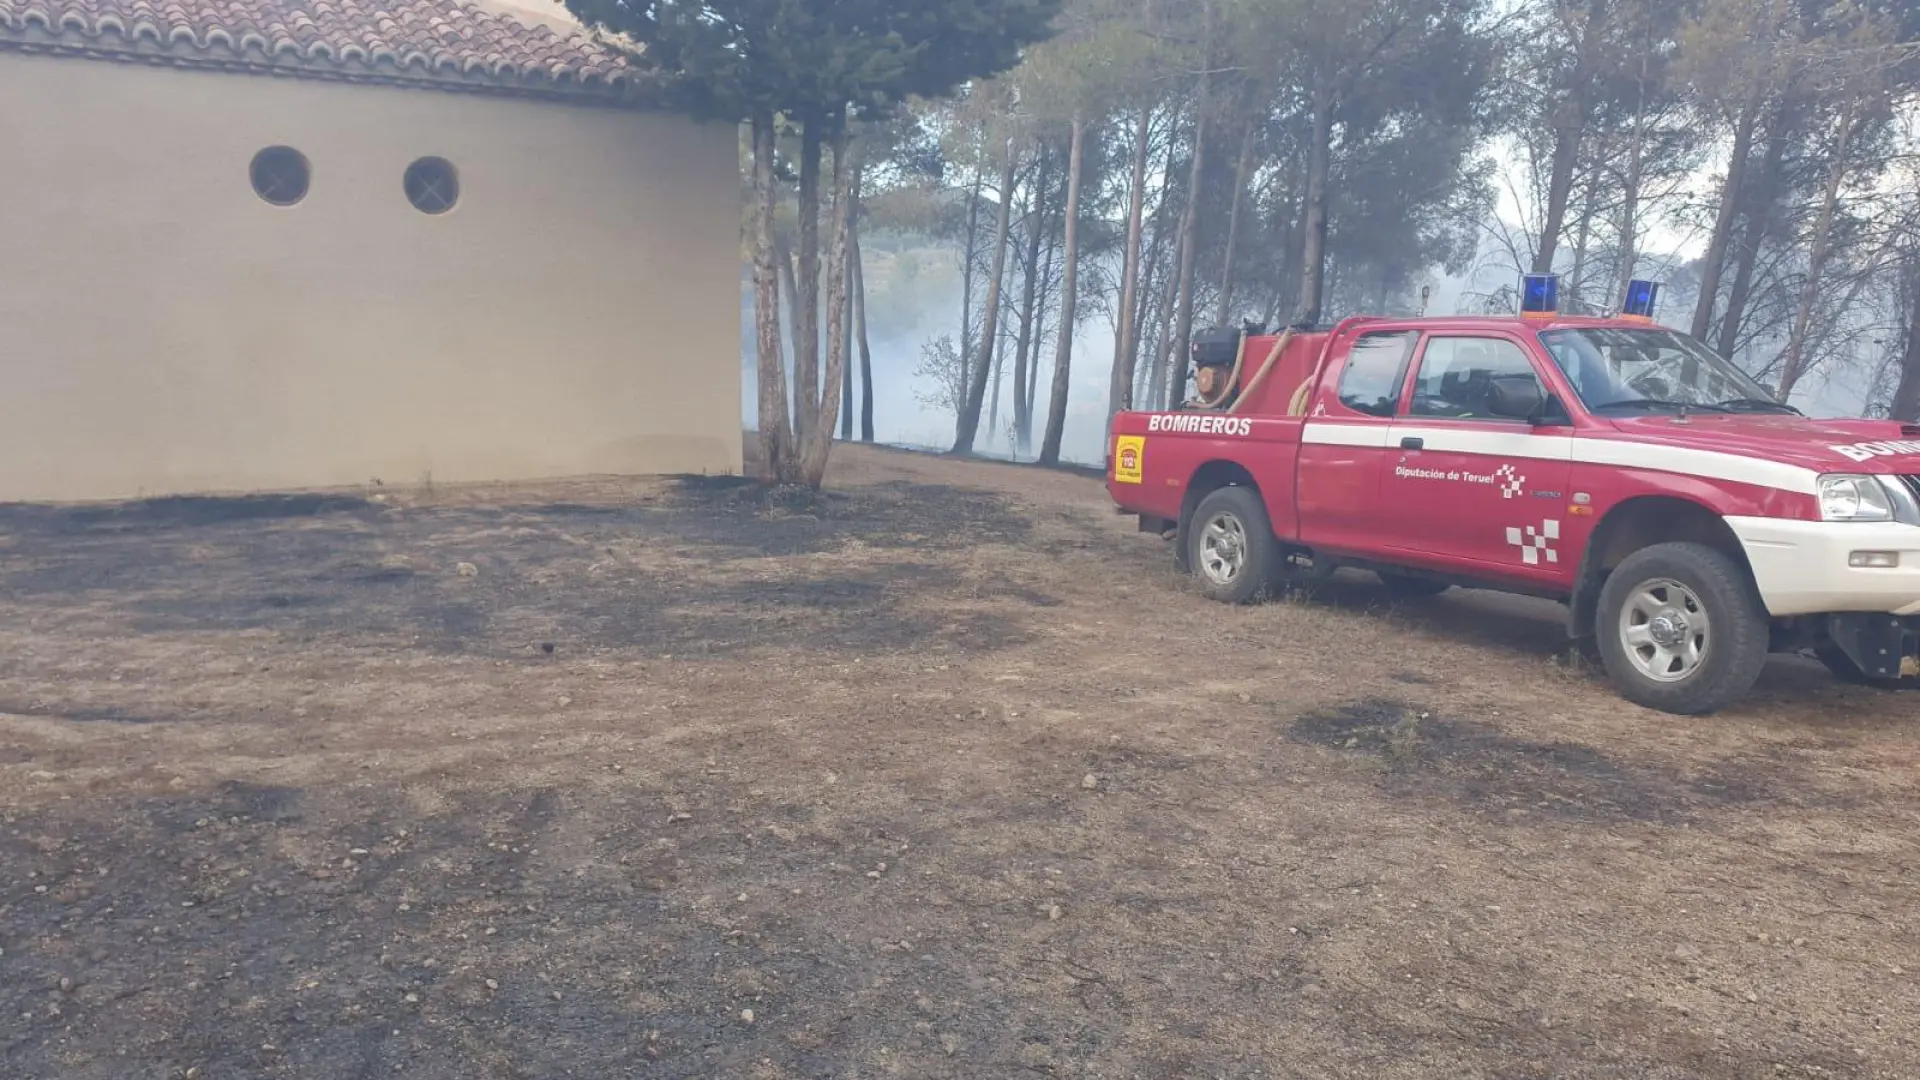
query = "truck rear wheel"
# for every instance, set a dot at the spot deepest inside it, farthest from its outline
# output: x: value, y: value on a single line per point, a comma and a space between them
x: 1231, y: 548
x: 1681, y: 629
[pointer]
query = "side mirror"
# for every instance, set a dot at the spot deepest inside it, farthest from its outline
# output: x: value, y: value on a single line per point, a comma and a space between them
x: 1515, y: 397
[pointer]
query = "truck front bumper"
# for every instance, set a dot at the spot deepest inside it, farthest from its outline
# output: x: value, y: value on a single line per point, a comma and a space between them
x: 1810, y: 567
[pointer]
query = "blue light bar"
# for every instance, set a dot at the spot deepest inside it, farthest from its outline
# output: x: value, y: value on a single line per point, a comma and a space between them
x: 1641, y: 296
x: 1539, y: 294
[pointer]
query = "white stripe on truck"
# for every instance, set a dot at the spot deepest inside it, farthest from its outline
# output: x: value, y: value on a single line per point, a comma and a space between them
x: 1522, y: 444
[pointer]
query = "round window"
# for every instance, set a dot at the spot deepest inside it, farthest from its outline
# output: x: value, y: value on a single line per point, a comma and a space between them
x: 432, y: 185
x: 280, y: 175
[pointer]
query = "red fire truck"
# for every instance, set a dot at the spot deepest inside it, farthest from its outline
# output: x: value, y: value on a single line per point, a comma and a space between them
x: 1691, y: 523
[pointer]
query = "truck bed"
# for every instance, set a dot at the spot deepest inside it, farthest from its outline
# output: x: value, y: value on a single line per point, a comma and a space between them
x: 1167, y: 449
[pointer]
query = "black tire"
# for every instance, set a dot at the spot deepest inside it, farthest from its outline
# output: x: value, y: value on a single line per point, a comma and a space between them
x: 1241, y: 514
x: 1847, y: 671
x: 1410, y: 586
x: 1730, y: 655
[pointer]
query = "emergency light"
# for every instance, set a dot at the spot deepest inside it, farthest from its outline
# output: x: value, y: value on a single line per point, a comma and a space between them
x: 1641, y: 296
x: 1539, y: 295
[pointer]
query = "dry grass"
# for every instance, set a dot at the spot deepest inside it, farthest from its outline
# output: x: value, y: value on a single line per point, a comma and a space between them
x: 944, y: 774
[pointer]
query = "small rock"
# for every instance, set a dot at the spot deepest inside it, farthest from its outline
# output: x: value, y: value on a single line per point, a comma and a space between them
x: 358, y: 851
x: 1090, y: 782
x: 412, y: 999
x: 42, y: 774
x: 493, y: 984
x: 467, y: 569
x: 1686, y: 953
x: 565, y: 701
x: 950, y: 1044
x: 746, y: 1016
x: 1799, y: 942
x: 1054, y: 912
x: 556, y: 995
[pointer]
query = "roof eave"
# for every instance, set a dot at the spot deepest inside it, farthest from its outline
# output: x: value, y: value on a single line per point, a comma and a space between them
x: 621, y: 88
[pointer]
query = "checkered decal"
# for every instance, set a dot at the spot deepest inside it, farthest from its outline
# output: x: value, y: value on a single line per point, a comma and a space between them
x: 1534, y: 542
x: 1511, y: 482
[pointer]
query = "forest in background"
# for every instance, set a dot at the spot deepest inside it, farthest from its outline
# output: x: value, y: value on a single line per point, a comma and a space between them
x: 1160, y: 166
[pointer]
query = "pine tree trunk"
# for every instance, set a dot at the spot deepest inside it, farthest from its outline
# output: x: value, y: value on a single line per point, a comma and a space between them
x: 818, y: 441
x: 982, y: 370
x: 1290, y: 225
x: 806, y: 349
x: 1566, y: 153
x: 1630, y: 189
x: 970, y: 255
x: 1189, y: 250
x: 1040, y: 320
x: 846, y: 369
x: 1245, y: 165
x: 1149, y: 305
x: 846, y: 359
x: 1570, y: 127
x: 1583, y: 236
x: 1629, y: 227
x: 1313, y: 251
x: 770, y: 361
x: 1757, y: 202
x: 1069, y: 299
x: 1126, y: 347
x: 1026, y: 348
x: 789, y: 283
x: 1906, y: 396
x: 993, y: 395
x: 1716, y: 256
x: 860, y: 327
x: 1163, y: 347
x: 1794, y: 360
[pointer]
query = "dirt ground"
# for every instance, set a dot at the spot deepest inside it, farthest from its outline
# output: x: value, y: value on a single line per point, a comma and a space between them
x: 945, y: 773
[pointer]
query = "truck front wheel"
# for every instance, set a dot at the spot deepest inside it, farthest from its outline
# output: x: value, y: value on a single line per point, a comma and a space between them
x: 1231, y: 548
x: 1681, y: 629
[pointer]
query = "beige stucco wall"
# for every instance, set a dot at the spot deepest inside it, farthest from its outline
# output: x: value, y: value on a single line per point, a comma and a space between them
x: 163, y: 330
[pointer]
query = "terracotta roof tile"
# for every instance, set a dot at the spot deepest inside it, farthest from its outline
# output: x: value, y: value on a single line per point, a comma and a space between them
x: 430, y: 42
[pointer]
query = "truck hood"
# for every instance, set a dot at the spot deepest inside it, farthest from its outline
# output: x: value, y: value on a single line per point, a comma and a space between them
x: 1859, y: 446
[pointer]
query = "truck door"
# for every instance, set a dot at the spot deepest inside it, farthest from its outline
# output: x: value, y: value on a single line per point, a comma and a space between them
x: 1470, y: 491
x: 1343, y: 447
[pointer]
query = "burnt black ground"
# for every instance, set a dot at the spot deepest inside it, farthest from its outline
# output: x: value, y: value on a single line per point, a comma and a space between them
x: 936, y: 781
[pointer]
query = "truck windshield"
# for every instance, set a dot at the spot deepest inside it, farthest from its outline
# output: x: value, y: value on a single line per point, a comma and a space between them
x: 1617, y: 369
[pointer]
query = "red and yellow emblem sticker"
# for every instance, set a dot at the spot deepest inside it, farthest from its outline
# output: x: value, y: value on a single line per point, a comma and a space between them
x: 1129, y: 458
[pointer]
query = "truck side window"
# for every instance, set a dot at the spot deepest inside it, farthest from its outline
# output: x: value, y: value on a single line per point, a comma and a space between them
x: 1376, y: 368
x: 1457, y: 373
